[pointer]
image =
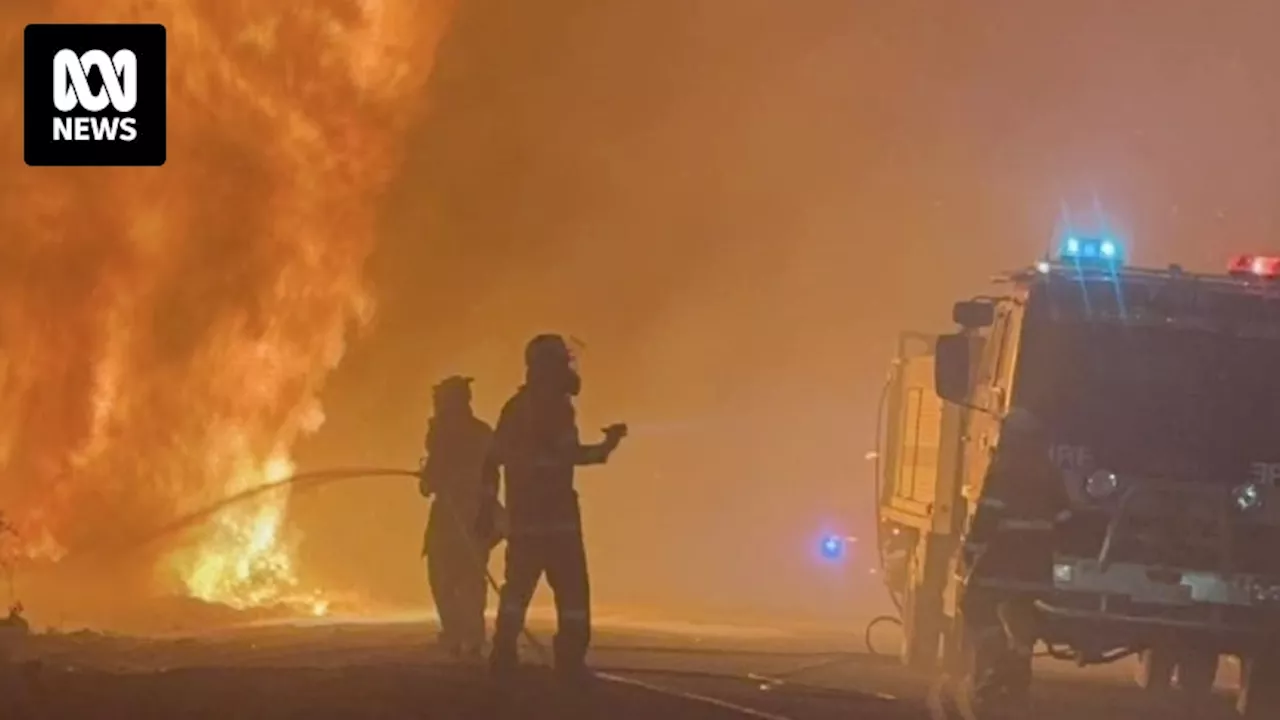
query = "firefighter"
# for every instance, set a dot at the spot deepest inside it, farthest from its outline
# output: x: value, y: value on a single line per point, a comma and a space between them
x: 456, y: 471
x: 1008, y: 559
x: 537, y: 445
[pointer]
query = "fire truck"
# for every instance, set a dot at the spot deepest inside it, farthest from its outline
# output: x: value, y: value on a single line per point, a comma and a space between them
x: 1160, y: 390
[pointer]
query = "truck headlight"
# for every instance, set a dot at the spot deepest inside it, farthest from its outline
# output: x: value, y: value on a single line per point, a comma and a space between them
x: 1247, y: 497
x: 1101, y: 485
x: 1064, y: 574
x: 1266, y: 593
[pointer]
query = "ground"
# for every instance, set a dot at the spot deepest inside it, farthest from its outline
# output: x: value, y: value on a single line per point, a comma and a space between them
x: 391, y: 670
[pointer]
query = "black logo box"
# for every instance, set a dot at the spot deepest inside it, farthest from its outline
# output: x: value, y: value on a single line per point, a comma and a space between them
x: 148, y: 42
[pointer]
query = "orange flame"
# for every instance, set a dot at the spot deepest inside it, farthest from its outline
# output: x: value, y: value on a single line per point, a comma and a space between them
x: 164, y: 333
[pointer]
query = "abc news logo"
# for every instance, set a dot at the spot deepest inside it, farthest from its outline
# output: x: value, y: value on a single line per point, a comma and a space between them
x: 119, y: 91
x: 107, y: 106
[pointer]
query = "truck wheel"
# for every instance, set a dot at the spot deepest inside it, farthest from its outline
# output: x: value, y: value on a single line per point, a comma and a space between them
x: 1155, y: 669
x: 1260, y: 687
x: 1197, y: 671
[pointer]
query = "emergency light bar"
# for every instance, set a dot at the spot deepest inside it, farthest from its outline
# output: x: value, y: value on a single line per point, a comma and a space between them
x: 1091, y: 251
x: 1260, y: 266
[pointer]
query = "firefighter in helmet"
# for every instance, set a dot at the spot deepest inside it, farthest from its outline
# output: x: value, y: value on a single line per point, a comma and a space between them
x: 537, y: 444
x: 1008, y: 559
x: 456, y: 471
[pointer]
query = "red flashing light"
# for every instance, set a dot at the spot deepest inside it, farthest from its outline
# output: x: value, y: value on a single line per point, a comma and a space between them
x: 1261, y: 266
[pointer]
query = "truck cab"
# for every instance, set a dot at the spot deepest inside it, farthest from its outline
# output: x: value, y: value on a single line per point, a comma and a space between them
x: 1160, y: 390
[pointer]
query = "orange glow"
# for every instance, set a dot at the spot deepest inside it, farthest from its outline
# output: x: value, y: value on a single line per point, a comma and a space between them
x: 164, y: 333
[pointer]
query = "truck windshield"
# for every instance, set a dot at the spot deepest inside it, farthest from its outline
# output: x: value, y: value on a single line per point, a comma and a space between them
x: 1148, y: 399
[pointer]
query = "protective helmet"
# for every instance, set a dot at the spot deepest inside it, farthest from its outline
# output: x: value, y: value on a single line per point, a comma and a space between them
x: 455, y: 390
x: 547, y: 349
x: 1021, y: 422
x: 550, y: 365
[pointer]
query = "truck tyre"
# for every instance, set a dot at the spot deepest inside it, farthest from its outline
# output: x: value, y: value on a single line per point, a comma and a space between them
x: 1260, y: 687
x: 1197, y: 671
x: 1156, y: 668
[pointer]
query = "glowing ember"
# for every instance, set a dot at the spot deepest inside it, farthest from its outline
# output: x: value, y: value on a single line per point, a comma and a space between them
x: 241, y: 561
x: 166, y: 331
x: 320, y: 608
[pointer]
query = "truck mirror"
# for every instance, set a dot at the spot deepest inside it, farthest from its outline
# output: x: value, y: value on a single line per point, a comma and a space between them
x: 951, y: 368
x: 973, y: 314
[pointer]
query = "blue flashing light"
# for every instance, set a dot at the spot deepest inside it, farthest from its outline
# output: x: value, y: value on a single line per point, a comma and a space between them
x: 1091, y: 251
x: 832, y: 547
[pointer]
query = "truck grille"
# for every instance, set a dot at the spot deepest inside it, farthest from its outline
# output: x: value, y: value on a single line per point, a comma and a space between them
x: 1163, y: 541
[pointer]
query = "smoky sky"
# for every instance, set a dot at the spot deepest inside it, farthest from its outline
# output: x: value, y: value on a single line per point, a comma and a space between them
x: 737, y: 205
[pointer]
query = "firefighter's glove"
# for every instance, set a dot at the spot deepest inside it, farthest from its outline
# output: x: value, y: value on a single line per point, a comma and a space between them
x: 614, y: 434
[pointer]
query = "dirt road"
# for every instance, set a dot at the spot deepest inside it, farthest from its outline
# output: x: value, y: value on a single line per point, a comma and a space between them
x: 392, y: 671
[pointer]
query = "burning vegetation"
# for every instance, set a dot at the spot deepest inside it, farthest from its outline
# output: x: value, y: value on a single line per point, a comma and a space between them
x: 164, y: 333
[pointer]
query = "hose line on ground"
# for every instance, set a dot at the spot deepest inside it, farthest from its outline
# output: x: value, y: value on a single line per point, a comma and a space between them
x: 319, y: 478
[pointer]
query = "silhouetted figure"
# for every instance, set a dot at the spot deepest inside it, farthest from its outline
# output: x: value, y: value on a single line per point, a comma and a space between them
x: 456, y: 472
x: 1009, y: 558
x: 538, y: 446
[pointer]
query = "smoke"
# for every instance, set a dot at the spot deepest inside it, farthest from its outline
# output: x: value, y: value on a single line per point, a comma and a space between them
x: 164, y: 332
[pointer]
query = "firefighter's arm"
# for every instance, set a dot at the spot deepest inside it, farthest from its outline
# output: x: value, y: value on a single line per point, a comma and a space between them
x: 986, y: 519
x: 992, y: 507
x: 555, y: 442
x: 597, y: 454
x: 983, y: 526
x: 491, y: 471
x: 490, y: 486
x: 549, y: 438
x: 430, y: 470
x: 486, y: 518
x: 425, y: 487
